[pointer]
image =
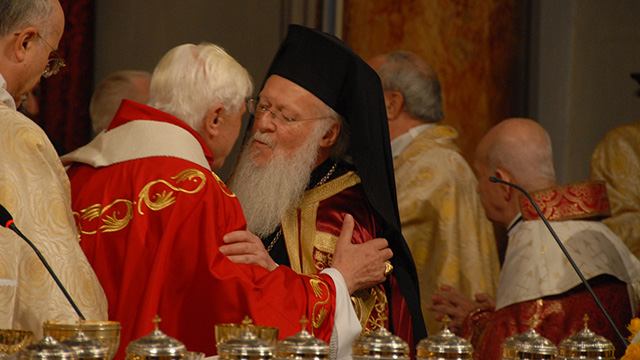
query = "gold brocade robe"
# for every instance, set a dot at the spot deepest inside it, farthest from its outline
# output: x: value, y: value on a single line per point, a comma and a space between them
x: 311, y: 232
x: 443, y: 221
x: 35, y: 190
x: 616, y: 160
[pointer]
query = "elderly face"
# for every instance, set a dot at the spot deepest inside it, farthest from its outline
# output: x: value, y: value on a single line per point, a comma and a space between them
x: 271, y: 133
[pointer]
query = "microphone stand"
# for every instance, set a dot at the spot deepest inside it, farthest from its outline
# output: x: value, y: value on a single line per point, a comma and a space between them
x: 566, y: 254
x: 11, y: 225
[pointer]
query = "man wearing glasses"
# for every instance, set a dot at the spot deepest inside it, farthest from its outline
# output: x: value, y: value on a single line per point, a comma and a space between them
x: 33, y: 185
x: 318, y: 149
x: 152, y: 217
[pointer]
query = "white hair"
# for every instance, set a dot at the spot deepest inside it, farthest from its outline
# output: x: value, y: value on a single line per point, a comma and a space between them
x: 267, y: 192
x: 190, y: 79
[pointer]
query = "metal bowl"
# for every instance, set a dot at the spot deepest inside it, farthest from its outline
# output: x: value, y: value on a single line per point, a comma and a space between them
x: 106, y: 332
x: 380, y: 344
x: 11, y: 340
x: 528, y: 345
x: 586, y: 345
x: 226, y: 332
x: 47, y: 349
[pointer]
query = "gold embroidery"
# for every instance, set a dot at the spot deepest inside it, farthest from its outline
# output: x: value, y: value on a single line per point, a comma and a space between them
x: 164, y: 199
x: 111, y: 222
x: 118, y: 219
x: 318, y: 319
x: 222, y: 185
x: 370, y: 306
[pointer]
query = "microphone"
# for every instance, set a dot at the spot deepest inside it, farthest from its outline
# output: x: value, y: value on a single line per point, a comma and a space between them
x: 566, y: 254
x: 6, y: 220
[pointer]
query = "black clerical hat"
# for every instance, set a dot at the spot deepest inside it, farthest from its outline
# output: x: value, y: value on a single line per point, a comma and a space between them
x: 329, y: 69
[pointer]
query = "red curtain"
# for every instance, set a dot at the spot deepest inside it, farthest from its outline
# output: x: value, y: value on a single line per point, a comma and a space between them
x: 64, y: 98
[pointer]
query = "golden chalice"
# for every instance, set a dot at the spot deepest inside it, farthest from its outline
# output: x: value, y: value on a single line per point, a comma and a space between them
x: 106, y: 332
x: 11, y: 341
x: 226, y: 332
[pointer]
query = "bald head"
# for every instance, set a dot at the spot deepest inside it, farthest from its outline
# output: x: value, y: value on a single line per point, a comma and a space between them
x: 522, y: 148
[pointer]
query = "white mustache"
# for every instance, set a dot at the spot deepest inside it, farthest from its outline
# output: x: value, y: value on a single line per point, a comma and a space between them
x: 264, y: 138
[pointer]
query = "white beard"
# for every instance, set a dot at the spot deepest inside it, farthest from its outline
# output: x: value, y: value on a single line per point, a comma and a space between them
x: 267, y: 192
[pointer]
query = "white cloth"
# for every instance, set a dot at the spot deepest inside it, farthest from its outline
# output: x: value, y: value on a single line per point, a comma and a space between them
x: 400, y: 143
x: 5, y: 97
x: 346, y: 325
x: 536, y: 267
x: 153, y: 138
x: 35, y: 190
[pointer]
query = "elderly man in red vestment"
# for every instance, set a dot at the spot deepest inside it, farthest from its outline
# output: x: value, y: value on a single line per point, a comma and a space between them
x: 152, y: 217
x: 319, y: 148
x: 538, y: 288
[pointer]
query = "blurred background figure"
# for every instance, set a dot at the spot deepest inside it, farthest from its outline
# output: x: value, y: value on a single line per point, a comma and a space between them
x: 616, y: 160
x: 125, y: 84
x: 441, y: 215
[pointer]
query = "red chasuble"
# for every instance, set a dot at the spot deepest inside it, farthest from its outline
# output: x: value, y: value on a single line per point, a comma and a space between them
x: 151, y: 229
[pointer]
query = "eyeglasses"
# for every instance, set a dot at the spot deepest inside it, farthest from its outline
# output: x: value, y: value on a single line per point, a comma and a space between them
x: 54, y: 64
x: 257, y: 109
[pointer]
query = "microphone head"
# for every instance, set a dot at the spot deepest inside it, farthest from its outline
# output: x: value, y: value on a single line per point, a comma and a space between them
x: 5, y: 218
x: 493, y: 179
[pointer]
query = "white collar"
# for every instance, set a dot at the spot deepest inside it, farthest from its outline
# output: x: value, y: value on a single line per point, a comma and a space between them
x: 402, y: 142
x: 5, y: 97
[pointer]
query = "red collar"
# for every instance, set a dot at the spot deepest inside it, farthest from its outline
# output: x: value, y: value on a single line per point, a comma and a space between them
x: 580, y: 200
x: 131, y: 110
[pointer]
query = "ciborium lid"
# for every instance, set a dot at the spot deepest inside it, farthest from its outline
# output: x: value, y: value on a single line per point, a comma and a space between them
x: 248, y: 345
x: 156, y: 344
x: 86, y: 347
x: 528, y: 345
x: 585, y: 344
x: 380, y: 344
x: 45, y: 349
x: 302, y: 345
x: 445, y: 345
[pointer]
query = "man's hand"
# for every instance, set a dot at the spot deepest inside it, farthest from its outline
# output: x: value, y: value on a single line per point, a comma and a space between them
x: 361, y: 265
x: 449, y: 301
x: 245, y: 248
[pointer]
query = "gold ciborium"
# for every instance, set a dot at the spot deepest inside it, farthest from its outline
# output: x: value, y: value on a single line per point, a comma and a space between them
x: 106, y: 332
x: 11, y: 341
x: 226, y: 332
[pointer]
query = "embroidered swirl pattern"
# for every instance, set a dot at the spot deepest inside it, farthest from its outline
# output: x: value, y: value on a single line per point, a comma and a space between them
x: 118, y: 214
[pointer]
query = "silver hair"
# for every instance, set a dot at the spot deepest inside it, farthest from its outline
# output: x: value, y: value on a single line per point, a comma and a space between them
x: 190, y: 79
x: 18, y: 14
x: 412, y: 77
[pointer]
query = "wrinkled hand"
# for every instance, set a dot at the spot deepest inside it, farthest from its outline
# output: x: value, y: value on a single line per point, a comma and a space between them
x: 245, y: 248
x: 449, y: 301
x: 361, y: 265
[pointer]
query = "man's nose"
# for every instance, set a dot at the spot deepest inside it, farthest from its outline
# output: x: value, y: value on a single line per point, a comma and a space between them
x: 264, y: 122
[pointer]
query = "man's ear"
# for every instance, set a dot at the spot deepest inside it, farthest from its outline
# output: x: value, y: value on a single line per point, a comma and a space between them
x: 24, y: 40
x: 507, y: 190
x: 212, y: 120
x: 330, y: 136
x: 394, y: 102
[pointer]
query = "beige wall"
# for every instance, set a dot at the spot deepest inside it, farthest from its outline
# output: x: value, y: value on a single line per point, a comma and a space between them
x: 583, y: 54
